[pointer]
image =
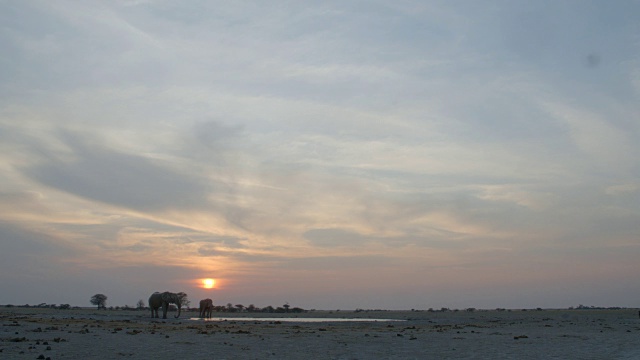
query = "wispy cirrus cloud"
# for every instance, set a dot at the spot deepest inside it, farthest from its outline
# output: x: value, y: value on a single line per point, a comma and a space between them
x: 411, y: 148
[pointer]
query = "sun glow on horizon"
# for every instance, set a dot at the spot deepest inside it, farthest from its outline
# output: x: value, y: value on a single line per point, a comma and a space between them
x: 208, y: 283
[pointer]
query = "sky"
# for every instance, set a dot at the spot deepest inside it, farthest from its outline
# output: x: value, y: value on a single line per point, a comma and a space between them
x: 326, y: 154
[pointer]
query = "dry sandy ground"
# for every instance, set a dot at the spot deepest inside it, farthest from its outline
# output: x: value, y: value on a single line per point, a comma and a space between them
x: 548, y: 334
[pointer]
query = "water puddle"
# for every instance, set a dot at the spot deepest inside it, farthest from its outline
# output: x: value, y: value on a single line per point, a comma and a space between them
x: 286, y: 319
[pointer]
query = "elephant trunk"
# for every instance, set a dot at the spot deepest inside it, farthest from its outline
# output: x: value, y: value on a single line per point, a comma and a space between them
x: 179, y: 308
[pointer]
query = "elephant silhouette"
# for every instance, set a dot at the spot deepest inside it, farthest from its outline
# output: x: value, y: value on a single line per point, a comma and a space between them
x: 206, y: 307
x: 157, y: 300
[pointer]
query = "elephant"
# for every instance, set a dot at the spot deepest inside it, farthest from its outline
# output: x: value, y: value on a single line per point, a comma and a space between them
x: 157, y: 300
x: 206, y: 307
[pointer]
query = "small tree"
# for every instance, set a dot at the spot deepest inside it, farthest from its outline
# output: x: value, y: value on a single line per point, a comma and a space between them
x: 100, y: 300
x: 140, y: 304
x: 184, y: 300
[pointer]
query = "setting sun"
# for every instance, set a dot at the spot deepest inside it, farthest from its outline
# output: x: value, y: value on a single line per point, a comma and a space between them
x: 208, y: 283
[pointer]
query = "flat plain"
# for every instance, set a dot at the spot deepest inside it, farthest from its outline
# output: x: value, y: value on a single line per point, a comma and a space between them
x: 36, y: 333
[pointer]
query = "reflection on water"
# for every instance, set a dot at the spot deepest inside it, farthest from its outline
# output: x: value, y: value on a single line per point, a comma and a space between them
x: 285, y: 319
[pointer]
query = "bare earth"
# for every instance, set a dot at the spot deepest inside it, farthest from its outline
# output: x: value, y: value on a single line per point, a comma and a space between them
x: 91, y: 334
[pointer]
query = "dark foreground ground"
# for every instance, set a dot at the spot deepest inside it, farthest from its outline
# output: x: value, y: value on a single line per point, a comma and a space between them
x: 548, y: 334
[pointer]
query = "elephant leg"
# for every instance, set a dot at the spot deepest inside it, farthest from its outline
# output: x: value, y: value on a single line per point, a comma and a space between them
x: 165, y: 308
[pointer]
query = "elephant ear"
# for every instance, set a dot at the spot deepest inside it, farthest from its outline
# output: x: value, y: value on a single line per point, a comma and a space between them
x: 168, y: 297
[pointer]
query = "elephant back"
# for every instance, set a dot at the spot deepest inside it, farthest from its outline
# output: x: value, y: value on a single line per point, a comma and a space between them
x: 169, y: 297
x: 154, y: 296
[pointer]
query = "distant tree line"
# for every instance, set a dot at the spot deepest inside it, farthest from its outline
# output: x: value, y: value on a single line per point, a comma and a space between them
x: 583, y: 307
x: 45, y: 306
x: 230, y: 308
x: 100, y: 300
x: 286, y: 308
